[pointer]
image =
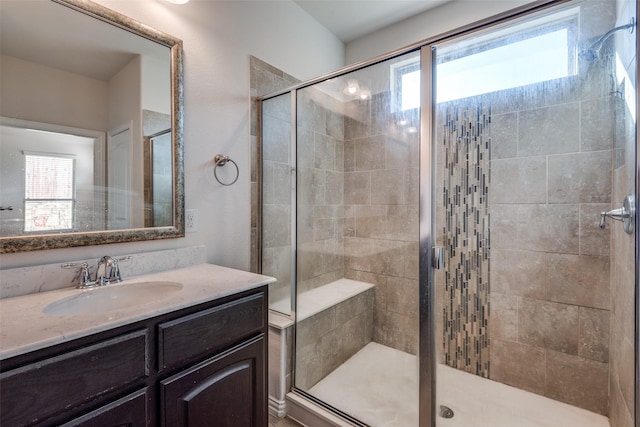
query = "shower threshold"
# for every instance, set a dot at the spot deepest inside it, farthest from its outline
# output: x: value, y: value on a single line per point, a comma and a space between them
x: 379, y: 386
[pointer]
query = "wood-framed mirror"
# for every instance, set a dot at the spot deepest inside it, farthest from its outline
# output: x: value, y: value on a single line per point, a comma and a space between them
x: 91, y: 122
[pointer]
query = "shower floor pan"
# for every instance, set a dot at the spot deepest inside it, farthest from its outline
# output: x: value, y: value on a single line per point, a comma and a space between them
x: 379, y: 385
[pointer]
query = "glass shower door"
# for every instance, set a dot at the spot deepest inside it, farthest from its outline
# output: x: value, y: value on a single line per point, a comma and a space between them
x: 534, y: 140
x: 357, y: 242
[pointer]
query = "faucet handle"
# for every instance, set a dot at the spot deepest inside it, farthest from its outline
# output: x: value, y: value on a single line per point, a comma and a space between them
x: 83, y: 275
x: 618, y: 214
x: 626, y: 214
x: 109, y: 270
x: 115, y: 270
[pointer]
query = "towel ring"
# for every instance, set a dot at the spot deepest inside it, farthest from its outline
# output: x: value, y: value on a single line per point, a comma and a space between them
x: 221, y: 160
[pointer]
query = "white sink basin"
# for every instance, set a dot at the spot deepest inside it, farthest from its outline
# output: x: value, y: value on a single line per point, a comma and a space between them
x: 112, y: 297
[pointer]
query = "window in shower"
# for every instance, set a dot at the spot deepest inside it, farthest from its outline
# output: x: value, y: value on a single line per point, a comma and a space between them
x: 538, y: 51
x: 405, y: 84
x: 535, y: 59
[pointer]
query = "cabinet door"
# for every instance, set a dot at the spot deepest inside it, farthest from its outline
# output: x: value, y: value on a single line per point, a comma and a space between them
x: 130, y: 411
x: 225, y: 391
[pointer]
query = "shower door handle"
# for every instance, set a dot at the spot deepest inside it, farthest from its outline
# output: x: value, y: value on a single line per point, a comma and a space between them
x: 438, y: 257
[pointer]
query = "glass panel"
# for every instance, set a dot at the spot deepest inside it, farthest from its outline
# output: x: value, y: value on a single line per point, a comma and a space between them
x: 162, y: 180
x: 276, y: 199
x: 535, y: 302
x: 357, y: 238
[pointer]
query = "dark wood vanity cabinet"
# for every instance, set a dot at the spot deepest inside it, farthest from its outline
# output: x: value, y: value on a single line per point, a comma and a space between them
x: 199, y: 366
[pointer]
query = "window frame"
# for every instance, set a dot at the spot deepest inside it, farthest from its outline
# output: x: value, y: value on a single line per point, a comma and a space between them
x: 72, y: 200
x: 568, y: 19
x: 399, y: 70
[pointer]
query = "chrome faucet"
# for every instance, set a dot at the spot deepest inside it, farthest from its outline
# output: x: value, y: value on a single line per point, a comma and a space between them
x: 107, y: 271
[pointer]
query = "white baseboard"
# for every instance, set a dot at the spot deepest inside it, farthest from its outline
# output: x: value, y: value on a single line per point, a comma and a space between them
x: 277, y: 408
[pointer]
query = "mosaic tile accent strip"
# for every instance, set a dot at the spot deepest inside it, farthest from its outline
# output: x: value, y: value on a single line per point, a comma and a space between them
x: 467, y: 142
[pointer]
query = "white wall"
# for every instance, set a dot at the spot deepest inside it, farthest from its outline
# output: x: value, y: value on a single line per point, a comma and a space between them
x: 29, y: 90
x: 439, y: 20
x: 155, y: 75
x: 218, y: 38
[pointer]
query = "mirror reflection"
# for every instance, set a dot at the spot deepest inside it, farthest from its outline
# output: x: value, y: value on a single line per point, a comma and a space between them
x: 87, y: 123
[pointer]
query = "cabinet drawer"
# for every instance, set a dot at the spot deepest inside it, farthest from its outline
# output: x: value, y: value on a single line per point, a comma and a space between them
x: 40, y: 390
x: 208, y: 331
x: 130, y: 411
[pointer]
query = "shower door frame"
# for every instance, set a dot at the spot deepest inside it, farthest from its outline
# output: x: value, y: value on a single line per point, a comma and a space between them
x: 637, y: 245
x: 427, y: 350
x: 427, y: 329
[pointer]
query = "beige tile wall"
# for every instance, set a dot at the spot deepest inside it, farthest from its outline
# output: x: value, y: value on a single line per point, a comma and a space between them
x: 358, y: 206
x: 549, y: 323
x: 550, y: 304
x: 381, y: 205
x: 320, y: 205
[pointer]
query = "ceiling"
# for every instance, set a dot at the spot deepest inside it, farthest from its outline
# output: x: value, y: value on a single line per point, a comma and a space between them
x: 351, y: 19
x: 26, y: 32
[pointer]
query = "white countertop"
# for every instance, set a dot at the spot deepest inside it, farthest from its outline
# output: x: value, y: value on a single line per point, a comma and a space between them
x: 25, y: 327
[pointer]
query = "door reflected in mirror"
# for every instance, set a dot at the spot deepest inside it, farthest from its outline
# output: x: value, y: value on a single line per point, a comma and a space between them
x: 91, y: 127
